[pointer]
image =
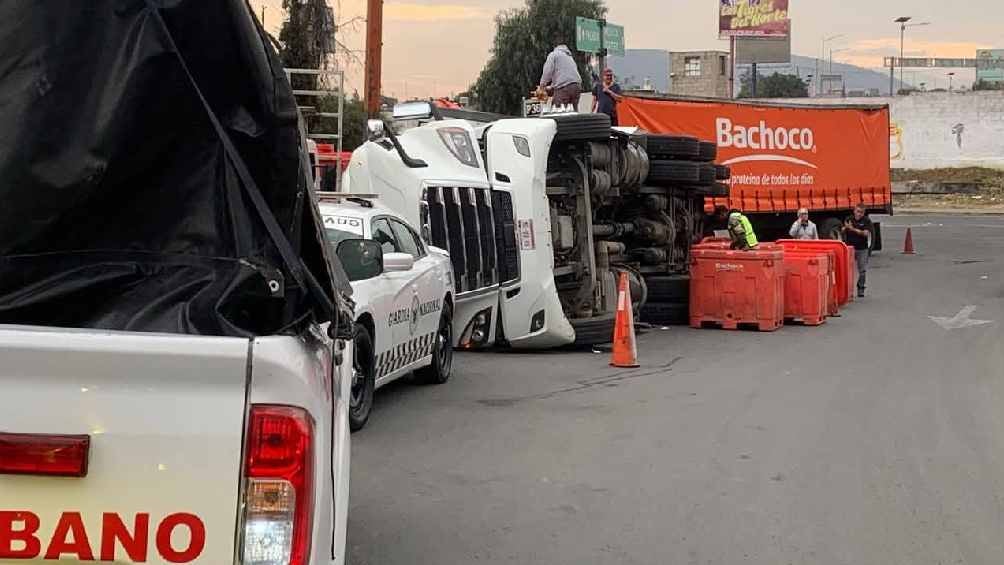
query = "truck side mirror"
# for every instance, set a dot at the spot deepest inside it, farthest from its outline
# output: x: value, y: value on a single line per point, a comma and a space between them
x: 362, y: 259
x: 375, y: 129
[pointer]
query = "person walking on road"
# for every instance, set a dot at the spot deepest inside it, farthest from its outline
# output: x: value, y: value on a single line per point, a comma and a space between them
x: 606, y: 95
x: 803, y: 228
x: 741, y: 232
x: 857, y: 233
x: 561, y: 77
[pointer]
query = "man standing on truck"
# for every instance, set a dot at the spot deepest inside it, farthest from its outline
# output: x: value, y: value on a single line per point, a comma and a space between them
x: 561, y: 77
x: 606, y: 95
x: 803, y: 228
x: 741, y: 232
x: 857, y: 233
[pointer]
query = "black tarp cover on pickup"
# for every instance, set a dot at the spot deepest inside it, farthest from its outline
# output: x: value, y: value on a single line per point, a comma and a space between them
x: 121, y: 206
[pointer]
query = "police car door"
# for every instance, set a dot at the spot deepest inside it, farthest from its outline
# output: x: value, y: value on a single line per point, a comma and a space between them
x: 430, y: 279
x: 404, y: 299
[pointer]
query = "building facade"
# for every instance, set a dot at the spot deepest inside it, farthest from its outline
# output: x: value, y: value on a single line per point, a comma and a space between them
x: 699, y: 73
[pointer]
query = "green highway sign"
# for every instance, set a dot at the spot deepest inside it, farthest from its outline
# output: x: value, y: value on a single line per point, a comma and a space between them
x: 613, y: 39
x: 592, y: 36
x: 587, y: 35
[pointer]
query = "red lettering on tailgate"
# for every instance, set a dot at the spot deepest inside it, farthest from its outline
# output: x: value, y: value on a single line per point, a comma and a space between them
x: 24, y: 536
x: 197, y: 539
x: 70, y: 523
x: 134, y: 544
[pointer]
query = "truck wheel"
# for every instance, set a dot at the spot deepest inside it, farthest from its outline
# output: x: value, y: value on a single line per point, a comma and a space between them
x: 363, y: 379
x: 594, y: 331
x: 582, y: 127
x: 709, y: 151
x: 668, y: 288
x: 442, y: 352
x: 666, y: 313
x: 674, y: 172
x: 831, y: 229
x: 709, y: 173
x: 722, y: 172
x: 673, y: 147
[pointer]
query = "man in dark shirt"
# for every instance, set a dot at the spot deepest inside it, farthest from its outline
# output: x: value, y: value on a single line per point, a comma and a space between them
x: 858, y: 232
x: 606, y: 94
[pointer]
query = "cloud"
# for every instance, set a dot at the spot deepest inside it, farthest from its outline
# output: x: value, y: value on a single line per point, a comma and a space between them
x: 871, y: 52
x: 432, y: 12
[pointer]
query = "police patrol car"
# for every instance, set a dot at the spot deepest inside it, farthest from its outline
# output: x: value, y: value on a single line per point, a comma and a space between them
x: 404, y: 293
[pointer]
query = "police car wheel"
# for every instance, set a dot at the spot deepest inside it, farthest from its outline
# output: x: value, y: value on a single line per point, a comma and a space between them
x: 363, y: 379
x: 439, y: 371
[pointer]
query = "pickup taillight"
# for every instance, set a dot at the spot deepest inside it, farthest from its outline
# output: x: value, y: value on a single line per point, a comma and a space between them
x: 278, y: 497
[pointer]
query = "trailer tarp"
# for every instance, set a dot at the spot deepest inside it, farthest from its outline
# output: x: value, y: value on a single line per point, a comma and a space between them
x: 151, y: 173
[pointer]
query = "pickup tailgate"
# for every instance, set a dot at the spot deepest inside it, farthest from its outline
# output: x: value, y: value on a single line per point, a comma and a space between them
x: 164, y: 416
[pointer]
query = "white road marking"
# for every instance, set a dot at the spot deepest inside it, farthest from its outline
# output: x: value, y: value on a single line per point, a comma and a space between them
x: 961, y: 320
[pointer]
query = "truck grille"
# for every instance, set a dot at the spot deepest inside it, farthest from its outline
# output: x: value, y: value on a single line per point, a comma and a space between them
x: 505, y: 237
x: 461, y: 221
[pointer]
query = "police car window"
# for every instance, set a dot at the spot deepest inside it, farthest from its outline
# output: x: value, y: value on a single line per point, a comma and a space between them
x: 383, y: 235
x: 410, y: 242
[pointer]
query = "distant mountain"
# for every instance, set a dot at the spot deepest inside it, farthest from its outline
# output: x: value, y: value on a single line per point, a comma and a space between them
x: 653, y: 64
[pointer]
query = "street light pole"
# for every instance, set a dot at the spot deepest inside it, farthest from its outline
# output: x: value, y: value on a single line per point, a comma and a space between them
x: 832, y: 51
x: 902, y: 42
x: 822, y: 55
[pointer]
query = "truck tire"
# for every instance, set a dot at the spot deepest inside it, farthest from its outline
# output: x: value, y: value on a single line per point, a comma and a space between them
x: 709, y: 173
x: 722, y: 172
x: 719, y: 189
x: 674, y: 172
x: 668, y: 288
x: 363, y: 379
x: 673, y: 147
x: 709, y: 152
x: 666, y: 313
x: 830, y: 228
x: 594, y: 331
x: 442, y: 351
x: 582, y: 127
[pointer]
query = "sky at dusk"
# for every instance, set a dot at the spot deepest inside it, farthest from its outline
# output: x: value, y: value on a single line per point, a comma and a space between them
x: 438, y: 48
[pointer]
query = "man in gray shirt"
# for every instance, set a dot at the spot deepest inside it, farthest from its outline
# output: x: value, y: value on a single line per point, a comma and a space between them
x: 561, y: 77
x: 803, y: 228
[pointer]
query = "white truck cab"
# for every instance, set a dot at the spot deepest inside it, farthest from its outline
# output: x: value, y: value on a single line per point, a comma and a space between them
x: 403, y: 291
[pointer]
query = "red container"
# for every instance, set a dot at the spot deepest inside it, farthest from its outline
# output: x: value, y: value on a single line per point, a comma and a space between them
x: 807, y: 287
x: 845, y: 261
x: 729, y: 288
x: 833, y: 300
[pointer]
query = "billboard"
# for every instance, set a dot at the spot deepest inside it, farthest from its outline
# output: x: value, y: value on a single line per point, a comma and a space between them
x: 990, y: 65
x: 763, y: 50
x: 753, y: 18
x: 783, y: 157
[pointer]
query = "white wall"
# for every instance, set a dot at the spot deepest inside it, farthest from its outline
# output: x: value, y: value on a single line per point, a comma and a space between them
x: 925, y: 138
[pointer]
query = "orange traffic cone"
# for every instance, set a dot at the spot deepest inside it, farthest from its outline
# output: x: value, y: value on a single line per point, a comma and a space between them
x: 625, y: 353
x: 908, y: 245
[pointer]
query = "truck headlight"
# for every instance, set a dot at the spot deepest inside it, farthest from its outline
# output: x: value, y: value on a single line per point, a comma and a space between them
x: 459, y: 143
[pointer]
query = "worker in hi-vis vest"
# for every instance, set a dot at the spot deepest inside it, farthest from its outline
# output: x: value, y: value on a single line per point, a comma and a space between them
x: 741, y: 232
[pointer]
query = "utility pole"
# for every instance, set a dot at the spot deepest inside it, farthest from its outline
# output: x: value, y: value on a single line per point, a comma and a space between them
x: 374, y: 56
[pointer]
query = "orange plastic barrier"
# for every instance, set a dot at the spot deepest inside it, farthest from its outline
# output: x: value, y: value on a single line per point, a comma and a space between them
x: 845, y: 262
x: 807, y: 286
x: 729, y: 288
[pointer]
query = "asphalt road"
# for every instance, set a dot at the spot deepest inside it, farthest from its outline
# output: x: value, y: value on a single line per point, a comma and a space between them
x: 875, y: 439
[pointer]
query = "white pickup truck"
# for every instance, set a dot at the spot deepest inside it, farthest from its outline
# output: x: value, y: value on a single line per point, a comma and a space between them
x: 175, y: 336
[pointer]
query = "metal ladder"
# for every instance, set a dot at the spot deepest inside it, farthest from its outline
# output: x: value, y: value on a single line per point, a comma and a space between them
x: 328, y: 83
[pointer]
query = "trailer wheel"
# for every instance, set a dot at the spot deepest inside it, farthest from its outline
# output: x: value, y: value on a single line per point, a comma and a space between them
x: 673, y: 172
x: 709, y: 173
x: 673, y: 147
x: 831, y: 228
x: 722, y: 172
x: 709, y: 151
x: 594, y: 331
x: 582, y: 127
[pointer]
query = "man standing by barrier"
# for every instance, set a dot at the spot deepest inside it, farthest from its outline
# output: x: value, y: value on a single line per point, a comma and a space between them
x: 741, y: 232
x: 606, y: 95
x: 803, y: 228
x: 561, y: 76
x: 857, y: 233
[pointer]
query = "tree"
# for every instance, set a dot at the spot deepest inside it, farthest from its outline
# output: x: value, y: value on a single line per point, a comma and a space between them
x: 523, y: 38
x: 776, y: 85
x: 353, y: 120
